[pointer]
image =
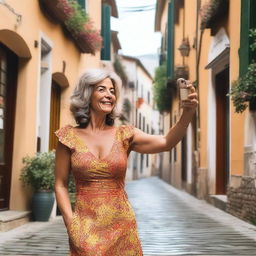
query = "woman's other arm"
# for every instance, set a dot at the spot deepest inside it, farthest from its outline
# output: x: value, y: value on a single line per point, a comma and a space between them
x: 62, y: 167
x: 145, y: 143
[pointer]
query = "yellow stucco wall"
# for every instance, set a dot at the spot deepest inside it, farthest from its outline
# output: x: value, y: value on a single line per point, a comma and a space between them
x: 186, y: 28
x: 35, y: 25
x: 237, y: 120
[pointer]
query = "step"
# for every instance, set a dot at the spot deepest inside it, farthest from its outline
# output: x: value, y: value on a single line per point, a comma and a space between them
x: 11, y: 219
x: 219, y: 201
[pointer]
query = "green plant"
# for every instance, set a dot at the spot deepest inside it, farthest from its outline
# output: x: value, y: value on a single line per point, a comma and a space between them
x: 76, y: 21
x: 162, y: 92
x: 243, y: 90
x: 38, y: 171
x: 127, y: 106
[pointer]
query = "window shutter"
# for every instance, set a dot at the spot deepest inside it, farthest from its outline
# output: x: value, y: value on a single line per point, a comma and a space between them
x: 82, y: 3
x: 248, y: 21
x: 170, y: 41
x: 106, y: 32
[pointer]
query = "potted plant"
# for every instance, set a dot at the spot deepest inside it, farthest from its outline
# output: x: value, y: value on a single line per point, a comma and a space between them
x: 243, y: 91
x: 38, y: 173
x: 59, y: 10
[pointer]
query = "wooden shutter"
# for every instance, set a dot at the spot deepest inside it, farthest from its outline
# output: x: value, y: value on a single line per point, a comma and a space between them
x: 106, y: 32
x: 248, y: 21
x: 55, y: 115
x: 170, y: 41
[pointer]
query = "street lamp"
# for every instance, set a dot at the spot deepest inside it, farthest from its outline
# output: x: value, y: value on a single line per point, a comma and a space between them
x: 184, y: 47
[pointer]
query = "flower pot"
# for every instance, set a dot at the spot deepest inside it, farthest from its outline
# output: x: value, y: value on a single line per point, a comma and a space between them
x: 56, y: 10
x: 42, y: 203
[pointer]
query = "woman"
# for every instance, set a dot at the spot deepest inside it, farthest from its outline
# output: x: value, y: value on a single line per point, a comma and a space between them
x: 103, y: 223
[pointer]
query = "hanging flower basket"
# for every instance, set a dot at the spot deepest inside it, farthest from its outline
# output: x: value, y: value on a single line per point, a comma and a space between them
x: 76, y: 23
x: 58, y: 10
x: 212, y: 11
x: 243, y: 92
x: 88, y: 41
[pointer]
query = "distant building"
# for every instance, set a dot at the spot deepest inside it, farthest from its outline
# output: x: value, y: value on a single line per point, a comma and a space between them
x: 139, y: 94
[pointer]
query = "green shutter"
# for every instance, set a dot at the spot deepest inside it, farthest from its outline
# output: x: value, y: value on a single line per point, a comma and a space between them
x: 252, y: 55
x: 248, y: 21
x: 106, y: 32
x: 82, y: 3
x: 244, y: 37
x: 170, y: 41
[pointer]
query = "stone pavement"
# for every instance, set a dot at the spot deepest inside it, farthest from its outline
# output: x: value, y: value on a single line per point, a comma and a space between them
x: 170, y: 222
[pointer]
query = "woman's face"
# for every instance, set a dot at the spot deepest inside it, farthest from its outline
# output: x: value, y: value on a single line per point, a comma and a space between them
x: 103, y: 96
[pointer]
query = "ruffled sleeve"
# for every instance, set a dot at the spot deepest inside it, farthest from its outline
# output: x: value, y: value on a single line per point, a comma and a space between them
x: 127, y: 135
x: 65, y: 136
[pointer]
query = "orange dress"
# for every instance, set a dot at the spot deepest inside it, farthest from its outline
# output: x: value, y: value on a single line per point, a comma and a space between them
x: 103, y: 222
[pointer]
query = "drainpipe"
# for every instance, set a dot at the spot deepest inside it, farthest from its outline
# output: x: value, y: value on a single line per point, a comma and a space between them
x: 198, y: 40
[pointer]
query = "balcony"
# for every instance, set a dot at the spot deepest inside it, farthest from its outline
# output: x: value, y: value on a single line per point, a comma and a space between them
x: 75, y: 22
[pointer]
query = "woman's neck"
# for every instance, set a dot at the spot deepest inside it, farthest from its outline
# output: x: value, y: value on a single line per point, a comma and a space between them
x: 97, y: 122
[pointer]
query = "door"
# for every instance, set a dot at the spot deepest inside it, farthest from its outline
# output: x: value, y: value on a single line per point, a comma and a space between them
x: 8, y: 84
x: 222, y: 131
x: 54, y: 115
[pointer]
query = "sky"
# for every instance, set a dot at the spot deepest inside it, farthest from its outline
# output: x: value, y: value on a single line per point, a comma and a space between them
x: 136, y: 29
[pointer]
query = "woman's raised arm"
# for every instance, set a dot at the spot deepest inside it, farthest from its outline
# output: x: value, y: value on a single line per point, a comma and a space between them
x: 145, y: 143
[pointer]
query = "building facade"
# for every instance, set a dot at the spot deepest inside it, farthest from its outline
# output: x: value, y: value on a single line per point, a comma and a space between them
x: 138, y: 94
x: 208, y: 43
x: 40, y: 63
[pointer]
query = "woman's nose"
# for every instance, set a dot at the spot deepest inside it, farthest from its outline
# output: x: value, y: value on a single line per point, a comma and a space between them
x: 108, y: 94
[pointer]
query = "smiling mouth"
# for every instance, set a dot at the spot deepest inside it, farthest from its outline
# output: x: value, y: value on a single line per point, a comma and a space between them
x: 107, y: 103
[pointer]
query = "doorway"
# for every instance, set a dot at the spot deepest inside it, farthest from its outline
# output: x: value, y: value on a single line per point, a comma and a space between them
x: 54, y: 114
x: 222, y: 130
x: 8, y: 88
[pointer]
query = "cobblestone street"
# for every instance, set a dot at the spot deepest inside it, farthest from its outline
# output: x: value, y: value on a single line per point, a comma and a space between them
x: 170, y: 221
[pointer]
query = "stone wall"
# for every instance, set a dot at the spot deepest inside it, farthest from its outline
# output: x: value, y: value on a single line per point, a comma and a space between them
x: 241, y: 196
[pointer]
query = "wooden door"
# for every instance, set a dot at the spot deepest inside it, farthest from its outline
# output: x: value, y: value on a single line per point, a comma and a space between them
x: 54, y: 115
x: 222, y: 131
x: 8, y: 85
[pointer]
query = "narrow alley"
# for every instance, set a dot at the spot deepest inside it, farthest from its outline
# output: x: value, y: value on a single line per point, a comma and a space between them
x: 170, y: 221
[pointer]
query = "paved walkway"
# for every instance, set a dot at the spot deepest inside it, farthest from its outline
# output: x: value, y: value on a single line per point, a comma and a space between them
x: 170, y: 222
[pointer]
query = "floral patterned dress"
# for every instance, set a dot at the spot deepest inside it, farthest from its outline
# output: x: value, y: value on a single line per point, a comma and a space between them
x: 103, y: 222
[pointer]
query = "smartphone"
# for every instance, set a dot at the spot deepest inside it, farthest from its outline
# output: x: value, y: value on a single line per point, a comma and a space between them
x: 184, y: 91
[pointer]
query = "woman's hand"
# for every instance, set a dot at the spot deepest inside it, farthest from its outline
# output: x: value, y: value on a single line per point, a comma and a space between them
x: 190, y: 104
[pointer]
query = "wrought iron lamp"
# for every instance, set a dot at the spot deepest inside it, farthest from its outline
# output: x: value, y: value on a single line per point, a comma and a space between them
x: 184, y: 47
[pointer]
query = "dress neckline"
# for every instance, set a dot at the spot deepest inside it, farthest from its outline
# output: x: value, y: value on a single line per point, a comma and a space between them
x: 88, y: 149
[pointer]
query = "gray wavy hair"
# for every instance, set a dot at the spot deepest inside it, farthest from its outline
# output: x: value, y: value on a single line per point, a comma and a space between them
x: 81, y: 97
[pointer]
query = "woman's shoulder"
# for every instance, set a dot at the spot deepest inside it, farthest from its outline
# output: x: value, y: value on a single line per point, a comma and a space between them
x: 65, y: 135
x: 64, y: 129
x: 127, y: 130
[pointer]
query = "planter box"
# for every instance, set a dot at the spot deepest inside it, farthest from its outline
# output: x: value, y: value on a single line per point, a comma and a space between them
x: 53, y: 10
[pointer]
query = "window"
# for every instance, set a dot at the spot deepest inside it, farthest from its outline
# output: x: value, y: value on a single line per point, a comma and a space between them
x: 248, y: 21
